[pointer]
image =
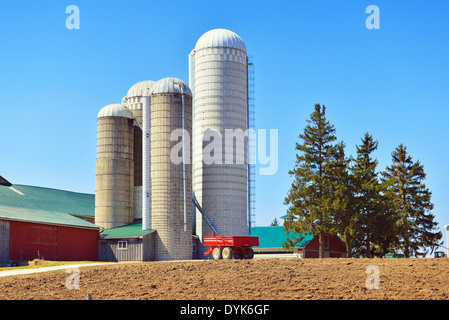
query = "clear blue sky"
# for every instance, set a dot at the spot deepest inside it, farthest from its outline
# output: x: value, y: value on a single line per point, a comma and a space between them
x: 391, y: 82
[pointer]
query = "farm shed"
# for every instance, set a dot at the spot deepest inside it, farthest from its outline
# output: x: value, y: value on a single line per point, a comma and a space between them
x: 127, y: 243
x: 38, y: 222
x: 271, y: 239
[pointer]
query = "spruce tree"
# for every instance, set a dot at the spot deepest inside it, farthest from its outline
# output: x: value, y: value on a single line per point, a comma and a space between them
x: 416, y: 225
x: 309, y: 197
x: 367, y: 198
x: 385, y: 228
x: 342, y: 192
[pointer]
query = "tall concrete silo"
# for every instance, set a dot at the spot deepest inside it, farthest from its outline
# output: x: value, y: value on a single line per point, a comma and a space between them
x: 171, y: 170
x: 114, y: 178
x: 218, y: 79
x: 135, y: 101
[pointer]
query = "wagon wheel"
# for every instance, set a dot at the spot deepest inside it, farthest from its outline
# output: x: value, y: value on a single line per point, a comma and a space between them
x: 248, y: 253
x: 228, y: 253
x: 216, y: 253
x: 238, y: 254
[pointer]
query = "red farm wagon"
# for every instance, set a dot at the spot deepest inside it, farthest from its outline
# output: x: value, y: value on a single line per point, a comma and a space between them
x: 228, y: 247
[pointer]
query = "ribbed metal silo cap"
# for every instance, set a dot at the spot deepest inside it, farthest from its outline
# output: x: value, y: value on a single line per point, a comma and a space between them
x: 171, y: 85
x: 140, y: 89
x: 115, y: 110
x: 220, y: 38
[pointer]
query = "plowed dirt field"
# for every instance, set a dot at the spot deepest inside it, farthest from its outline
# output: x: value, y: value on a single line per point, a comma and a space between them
x: 285, y: 279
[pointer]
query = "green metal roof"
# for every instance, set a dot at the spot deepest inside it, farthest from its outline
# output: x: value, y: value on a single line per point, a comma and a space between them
x: 273, y: 237
x: 47, y: 199
x: 44, y: 205
x: 132, y: 230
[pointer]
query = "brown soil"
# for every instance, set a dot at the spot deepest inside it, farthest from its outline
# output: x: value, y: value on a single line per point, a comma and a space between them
x: 266, y: 279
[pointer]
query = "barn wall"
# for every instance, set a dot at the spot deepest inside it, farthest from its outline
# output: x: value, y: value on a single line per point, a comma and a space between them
x: 105, y: 252
x: 148, y: 247
x: 77, y: 244
x: 336, y: 245
x: 311, y: 254
x: 30, y: 241
x: 4, y: 242
x: 138, y: 249
x: 109, y: 250
x: 333, y: 247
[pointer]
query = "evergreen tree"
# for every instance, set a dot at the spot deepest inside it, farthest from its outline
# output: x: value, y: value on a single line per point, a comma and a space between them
x: 385, y: 228
x: 309, y: 198
x: 416, y: 225
x: 343, y: 204
x: 274, y: 223
x: 367, y: 198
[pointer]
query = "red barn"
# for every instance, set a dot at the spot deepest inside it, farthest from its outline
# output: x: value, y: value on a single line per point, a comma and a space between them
x: 333, y: 247
x: 46, y: 223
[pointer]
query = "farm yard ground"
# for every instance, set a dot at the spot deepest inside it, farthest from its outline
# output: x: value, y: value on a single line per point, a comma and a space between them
x: 256, y: 279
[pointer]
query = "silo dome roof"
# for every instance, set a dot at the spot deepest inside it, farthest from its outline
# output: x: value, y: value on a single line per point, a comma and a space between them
x: 170, y: 85
x: 220, y: 38
x: 115, y: 110
x: 140, y: 88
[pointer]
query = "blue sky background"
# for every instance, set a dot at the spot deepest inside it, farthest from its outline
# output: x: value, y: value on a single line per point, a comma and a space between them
x: 390, y: 82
